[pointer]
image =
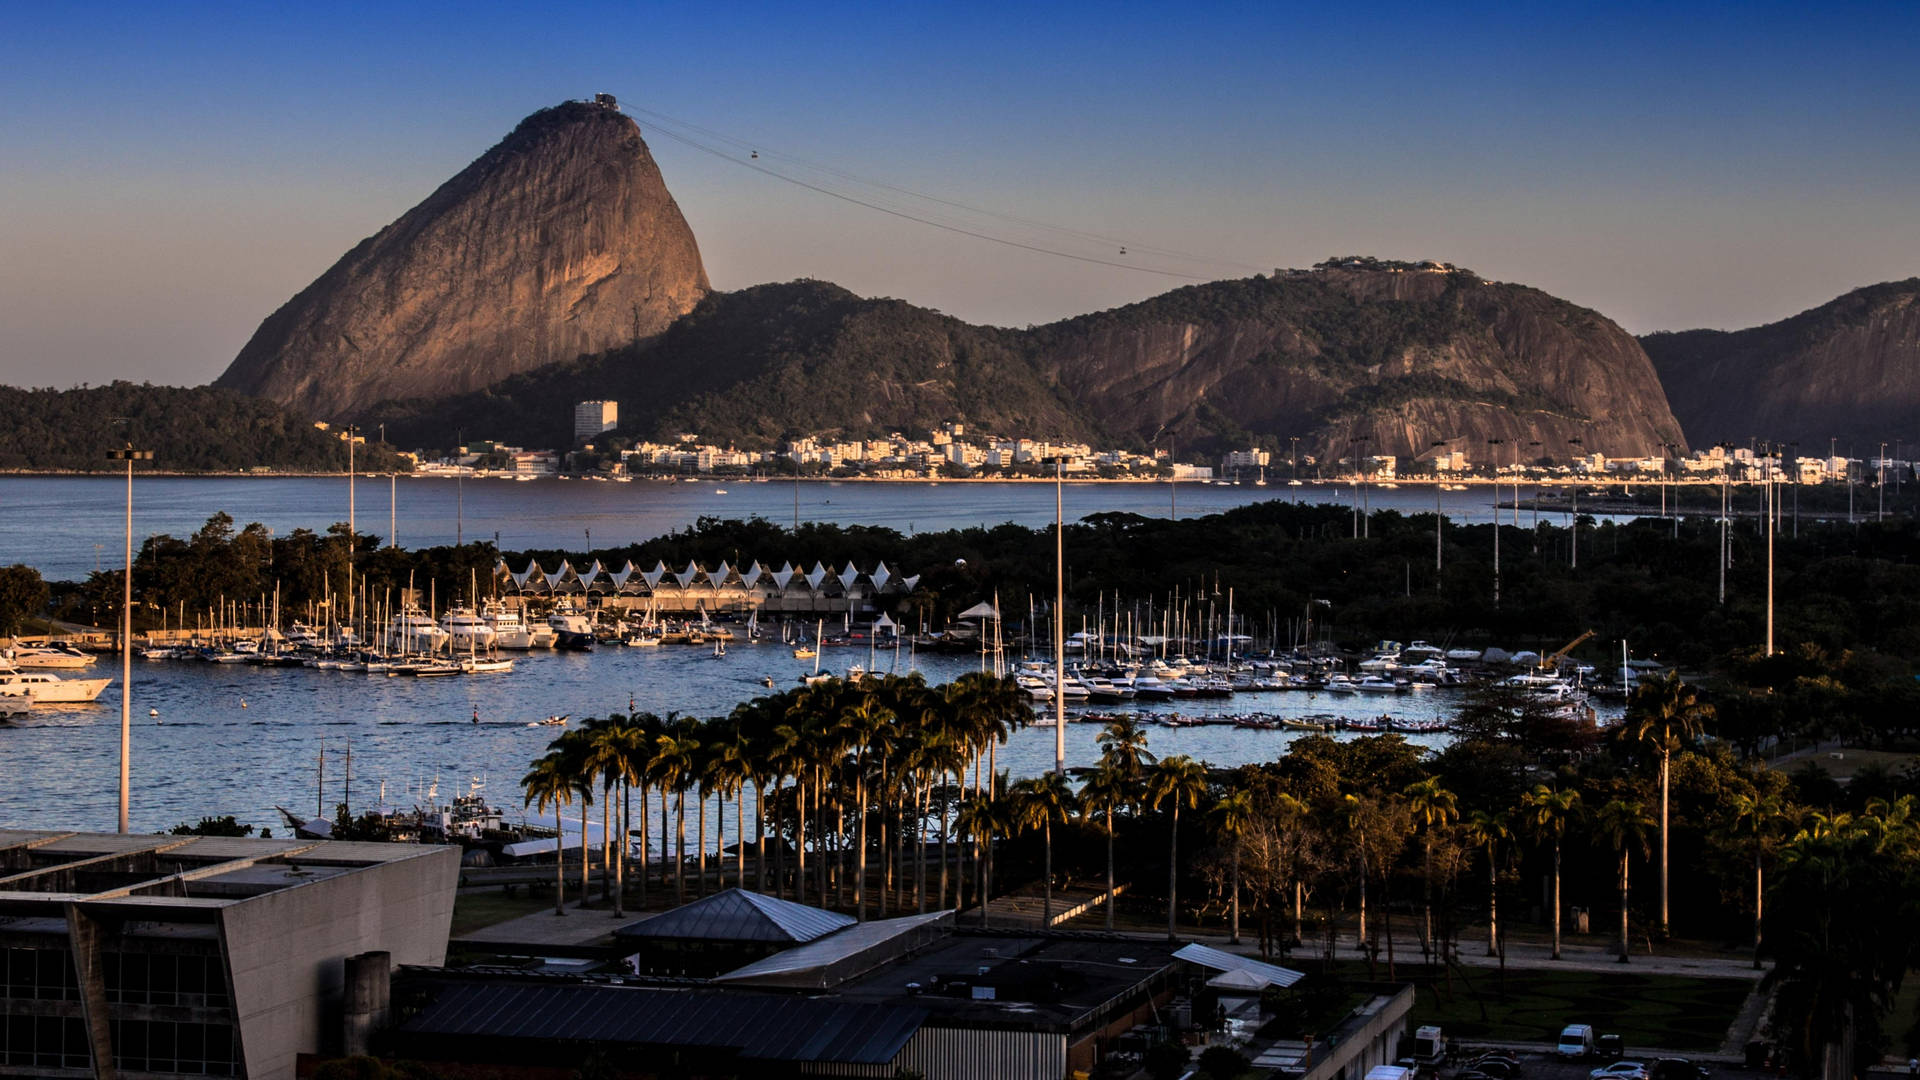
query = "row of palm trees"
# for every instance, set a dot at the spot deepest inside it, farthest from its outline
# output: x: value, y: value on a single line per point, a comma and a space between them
x: 891, y: 752
x: 854, y: 781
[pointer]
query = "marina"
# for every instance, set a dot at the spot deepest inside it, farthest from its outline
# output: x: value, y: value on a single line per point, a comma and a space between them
x: 244, y: 738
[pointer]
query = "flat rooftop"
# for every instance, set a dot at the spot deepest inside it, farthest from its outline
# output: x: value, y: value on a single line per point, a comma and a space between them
x: 165, y: 877
x: 983, y: 977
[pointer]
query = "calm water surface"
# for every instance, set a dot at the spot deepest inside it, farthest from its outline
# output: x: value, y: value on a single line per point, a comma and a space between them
x: 68, y: 526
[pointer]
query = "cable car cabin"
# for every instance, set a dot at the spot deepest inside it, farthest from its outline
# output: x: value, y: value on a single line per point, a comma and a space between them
x: 606, y: 101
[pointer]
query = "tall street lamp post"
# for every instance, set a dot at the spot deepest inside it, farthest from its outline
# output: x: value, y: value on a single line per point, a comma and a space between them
x: 1059, y: 627
x: 128, y: 455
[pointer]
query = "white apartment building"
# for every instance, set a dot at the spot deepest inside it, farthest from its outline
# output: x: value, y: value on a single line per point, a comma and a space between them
x: 590, y: 418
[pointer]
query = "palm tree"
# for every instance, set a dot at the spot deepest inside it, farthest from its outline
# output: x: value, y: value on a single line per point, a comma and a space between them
x: 977, y: 820
x: 639, y: 731
x: 864, y: 725
x: 728, y: 771
x: 1231, y: 816
x: 1178, y: 779
x: 574, y: 748
x: 1488, y: 830
x: 674, y: 763
x: 608, y: 754
x: 950, y: 758
x: 1038, y: 803
x: 1664, y: 713
x: 1434, y: 808
x: 1756, y: 817
x: 1549, y: 813
x: 1624, y: 824
x: 1123, y: 745
x: 548, y: 784
x: 786, y: 755
x: 1108, y: 789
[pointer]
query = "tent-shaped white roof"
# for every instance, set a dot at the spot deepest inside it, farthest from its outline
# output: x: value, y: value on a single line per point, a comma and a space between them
x: 1223, y: 961
x: 907, y: 584
x: 815, y: 576
x: 880, y: 576
x: 653, y: 576
x: 784, y: 575
x: 849, y: 576
x: 719, y: 577
x: 619, y: 577
x: 593, y: 572
x: 751, y: 576
x: 533, y: 568
x: 981, y: 610
x: 882, y: 620
x: 566, y: 571
x: 689, y: 575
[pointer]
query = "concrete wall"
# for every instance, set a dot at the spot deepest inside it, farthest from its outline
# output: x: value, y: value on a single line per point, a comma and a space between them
x: 1374, y: 1041
x: 286, y: 950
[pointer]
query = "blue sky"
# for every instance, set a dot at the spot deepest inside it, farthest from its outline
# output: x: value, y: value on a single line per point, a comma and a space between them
x: 174, y: 173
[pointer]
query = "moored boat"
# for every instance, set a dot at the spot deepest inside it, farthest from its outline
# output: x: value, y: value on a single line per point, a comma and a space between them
x: 45, y: 687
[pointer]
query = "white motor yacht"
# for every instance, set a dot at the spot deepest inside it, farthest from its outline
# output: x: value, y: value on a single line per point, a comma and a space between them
x: 572, y: 629
x: 43, y: 687
x: 466, y: 631
x: 414, y: 631
x: 509, y: 630
x: 52, y: 656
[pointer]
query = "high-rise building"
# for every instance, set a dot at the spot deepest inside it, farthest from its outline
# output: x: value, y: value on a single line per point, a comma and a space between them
x: 590, y: 418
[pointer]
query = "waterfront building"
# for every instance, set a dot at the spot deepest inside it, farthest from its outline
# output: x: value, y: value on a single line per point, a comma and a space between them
x: 162, y: 956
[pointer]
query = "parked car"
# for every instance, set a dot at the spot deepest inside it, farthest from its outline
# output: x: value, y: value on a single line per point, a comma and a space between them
x: 1678, y: 1069
x: 1611, y: 1048
x: 1620, y: 1070
x: 1499, y: 1067
x: 1576, y: 1041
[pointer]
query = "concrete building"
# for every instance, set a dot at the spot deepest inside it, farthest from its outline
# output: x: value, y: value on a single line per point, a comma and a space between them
x: 159, y: 956
x: 590, y: 418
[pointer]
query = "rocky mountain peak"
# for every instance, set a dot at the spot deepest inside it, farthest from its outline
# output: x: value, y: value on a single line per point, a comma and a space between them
x: 561, y: 240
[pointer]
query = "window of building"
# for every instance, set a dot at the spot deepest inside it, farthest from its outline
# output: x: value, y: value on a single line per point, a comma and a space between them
x: 135, y: 978
x: 168, y: 1047
x: 41, y: 974
x: 47, y: 1042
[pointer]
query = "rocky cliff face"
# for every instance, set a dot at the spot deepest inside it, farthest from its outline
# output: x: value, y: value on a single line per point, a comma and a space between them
x: 1374, y: 361
x: 560, y: 240
x: 1846, y: 370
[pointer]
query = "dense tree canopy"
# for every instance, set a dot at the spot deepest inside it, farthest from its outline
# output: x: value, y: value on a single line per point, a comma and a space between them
x: 189, y: 429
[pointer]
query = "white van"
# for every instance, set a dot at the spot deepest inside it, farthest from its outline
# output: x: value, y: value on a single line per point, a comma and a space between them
x: 1576, y: 1041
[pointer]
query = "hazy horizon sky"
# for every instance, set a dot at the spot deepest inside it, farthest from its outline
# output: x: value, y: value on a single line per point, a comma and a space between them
x: 174, y: 173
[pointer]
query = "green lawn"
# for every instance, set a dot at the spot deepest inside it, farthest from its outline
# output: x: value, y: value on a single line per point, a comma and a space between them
x: 1667, y: 1012
x: 473, y: 910
x: 1902, y: 1022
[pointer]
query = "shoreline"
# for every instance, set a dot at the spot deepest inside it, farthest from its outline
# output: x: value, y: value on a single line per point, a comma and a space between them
x: 1278, y: 486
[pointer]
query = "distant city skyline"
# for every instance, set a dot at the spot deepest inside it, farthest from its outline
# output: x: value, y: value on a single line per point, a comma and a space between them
x: 174, y: 175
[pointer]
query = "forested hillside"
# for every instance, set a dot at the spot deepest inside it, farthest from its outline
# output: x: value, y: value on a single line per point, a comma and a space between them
x: 189, y: 429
